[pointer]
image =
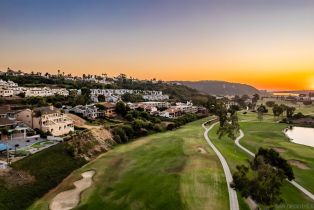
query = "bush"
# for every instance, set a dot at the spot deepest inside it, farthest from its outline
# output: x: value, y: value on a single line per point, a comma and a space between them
x: 270, y: 103
x: 171, y: 126
x: 307, y: 103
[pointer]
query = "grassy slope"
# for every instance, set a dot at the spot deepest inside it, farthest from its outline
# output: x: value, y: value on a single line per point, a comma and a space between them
x: 161, y: 171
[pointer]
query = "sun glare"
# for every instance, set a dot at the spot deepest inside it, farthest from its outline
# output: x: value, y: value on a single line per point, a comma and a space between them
x: 311, y: 84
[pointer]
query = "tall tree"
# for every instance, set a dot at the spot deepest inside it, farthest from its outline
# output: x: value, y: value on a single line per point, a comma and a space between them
x: 229, y: 124
x: 261, y: 110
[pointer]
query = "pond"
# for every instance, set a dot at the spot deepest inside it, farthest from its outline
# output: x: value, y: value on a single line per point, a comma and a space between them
x: 301, y: 135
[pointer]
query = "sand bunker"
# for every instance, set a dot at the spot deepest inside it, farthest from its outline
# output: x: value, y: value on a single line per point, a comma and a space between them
x: 298, y: 164
x: 71, y: 198
x: 201, y: 150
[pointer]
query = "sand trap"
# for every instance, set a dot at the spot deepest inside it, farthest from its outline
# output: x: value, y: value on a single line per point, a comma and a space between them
x: 298, y: 164
x: 201, y: 150
x: 279, y: 149
x: 71, y: 198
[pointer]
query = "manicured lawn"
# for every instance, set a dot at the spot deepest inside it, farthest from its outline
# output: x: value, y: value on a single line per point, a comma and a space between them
x: 42, y: 144
x: 171, y: 170
x: 235, y: 156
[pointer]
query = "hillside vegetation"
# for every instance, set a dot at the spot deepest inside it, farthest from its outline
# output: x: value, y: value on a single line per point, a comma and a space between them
x: 221, y: 87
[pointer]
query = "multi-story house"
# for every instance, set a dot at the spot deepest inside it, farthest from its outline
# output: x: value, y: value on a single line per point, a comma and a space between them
x: 171, y: 113
x: 43, y: 92
x: 47, y: 119
x: 8, y: 122
x: 110, y: 109
x: 149, y: 95
x: 88, y: 111
x: 5, y: 92
x: 186, y: 107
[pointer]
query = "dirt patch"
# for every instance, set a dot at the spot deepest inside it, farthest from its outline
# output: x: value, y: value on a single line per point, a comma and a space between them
x: 70, y: 198
x: 80, y: 122
x: 299, y: 164
x: 16, y: 177
x: 279, y: 149
x: 176, y: 169
x: 201, y: 150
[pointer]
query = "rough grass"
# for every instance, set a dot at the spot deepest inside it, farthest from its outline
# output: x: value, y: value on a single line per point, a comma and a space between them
x: 292, y: 197
x: 161, y: 171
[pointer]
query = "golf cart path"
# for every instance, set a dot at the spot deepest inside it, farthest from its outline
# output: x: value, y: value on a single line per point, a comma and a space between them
x: 233, y: 199
x: 298, y: 186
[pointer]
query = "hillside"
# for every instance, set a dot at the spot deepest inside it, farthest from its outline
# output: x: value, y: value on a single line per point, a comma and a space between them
x: 220, y: 87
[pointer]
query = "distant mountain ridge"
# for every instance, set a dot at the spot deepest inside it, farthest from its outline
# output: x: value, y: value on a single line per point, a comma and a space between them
x: 220, y: 87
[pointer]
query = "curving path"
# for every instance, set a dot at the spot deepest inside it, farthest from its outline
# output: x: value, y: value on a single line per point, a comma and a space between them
x: 298, y: 186
x: 233, y: 199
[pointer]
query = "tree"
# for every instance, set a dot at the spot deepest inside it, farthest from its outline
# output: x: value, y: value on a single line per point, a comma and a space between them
x: 273, y: 158
x: 101, y: 98
x: 128, y: 97
x: 229, y: 125
x: 261, y: 110
x: 270, y: 103
x: 263, y: 179
x: 307, y: 103
x: 255, y: 100
x: 290, y: 111
x: 121, y: 108
x: 278, y: 110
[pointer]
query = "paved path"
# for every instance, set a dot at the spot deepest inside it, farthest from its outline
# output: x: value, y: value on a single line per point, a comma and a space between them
x: 233, y: 199
x: 298, y: 186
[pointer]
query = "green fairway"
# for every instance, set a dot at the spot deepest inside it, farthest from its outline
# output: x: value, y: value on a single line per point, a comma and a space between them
x: 171, y: 170
x: 293, y: 198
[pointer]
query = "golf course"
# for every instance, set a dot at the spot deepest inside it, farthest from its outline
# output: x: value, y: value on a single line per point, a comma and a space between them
x: 179, y: 170
x: 170, y: 170
x: 269, y: 134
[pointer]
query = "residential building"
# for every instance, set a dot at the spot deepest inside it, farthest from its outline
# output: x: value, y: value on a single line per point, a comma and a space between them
x: 110, y: 109
x: 186, y: 107
x: 5, y: 92
x: 89, y: 111
x: 47, y: 119
x: 117, y: 93
x: 171, y: 113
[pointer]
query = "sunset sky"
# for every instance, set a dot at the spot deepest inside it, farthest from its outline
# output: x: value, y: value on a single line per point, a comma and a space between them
x: 265, y: 43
